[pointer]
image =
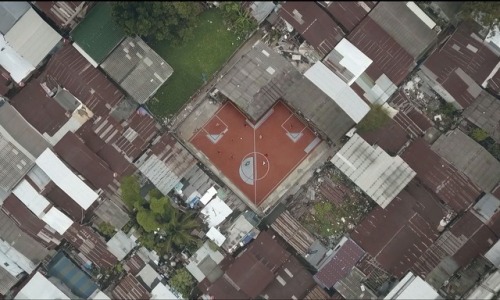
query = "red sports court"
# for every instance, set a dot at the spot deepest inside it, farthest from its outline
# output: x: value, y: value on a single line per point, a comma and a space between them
x: 255, y: 157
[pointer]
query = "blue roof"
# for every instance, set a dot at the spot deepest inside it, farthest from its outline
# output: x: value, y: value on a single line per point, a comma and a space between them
x: 75, y: 279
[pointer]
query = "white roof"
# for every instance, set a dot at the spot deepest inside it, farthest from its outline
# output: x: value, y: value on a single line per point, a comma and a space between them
x: 162, y: 292
x: 421, y: 14
x: 353, y: 59
x: 120, y: 245
x: 40, y: 287
x: 65, y: 179
x: 32, y: 37
x: 338, y: 91
x: 412, y: 287
x: 31, y: 198
x: 198, y: 257
x: 9, y: 265
x: 20, y: 260
x: 378, y: 174
x: 148, y: 275
x: 84, y: 54
x: 487, y: 288
x: 57, y: 220
x: 216, y: 212
x: 493, y: 255
x: 11, y: 61
x: 216, y: 237
x: 208, y: 195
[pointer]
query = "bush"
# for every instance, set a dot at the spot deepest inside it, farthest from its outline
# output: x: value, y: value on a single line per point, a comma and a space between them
x: 478, y: 134
x: 182, y: 282
x: 375, y: 119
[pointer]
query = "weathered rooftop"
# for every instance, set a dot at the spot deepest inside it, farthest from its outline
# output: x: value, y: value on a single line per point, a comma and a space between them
x: 313, y: 24
x: 451, y: 186
x: 348, y: 14
x: 395, y: 236
x: 378, y: 174
x: 98, y: 34
x: 408, y: 28
x: 327, y: 115
x: 10, y: 13
x: 257, y: 80
x: 347, y: 254
x: 130, y: 288
x: 110, y: 212
x: 350, y: 287
x: 41, y: 111
x: 461, y: 65
x: 63, y: 13
x: 71, y: 70
x: 166, y: 162
x: 469, y: 157
x: 137, y: 68
x: 388, y: 56
x: 91, y: 245
x: 484, y: 112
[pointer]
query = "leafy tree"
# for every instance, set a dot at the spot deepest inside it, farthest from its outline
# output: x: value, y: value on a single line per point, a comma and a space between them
x: 147, y: 220
x: 182, y: 282
x: 376, y: 118
x: 131, y: 192
x: 238, y: 18
x: 172, y: 21
x: 478, y: 134
x: 486, y: 13
x: 159, y: 206
x: 106, y: 229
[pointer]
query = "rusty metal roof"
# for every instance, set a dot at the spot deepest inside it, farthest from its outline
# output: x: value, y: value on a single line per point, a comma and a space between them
x: 130, y: 288
x: 313, y: 24
x: 348, y: 14
x: 451, y: 186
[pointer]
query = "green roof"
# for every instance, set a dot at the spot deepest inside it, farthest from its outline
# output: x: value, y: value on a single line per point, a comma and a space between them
x: 98, y: 34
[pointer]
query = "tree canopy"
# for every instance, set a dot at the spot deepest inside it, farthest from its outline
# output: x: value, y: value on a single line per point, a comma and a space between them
x: 172, y: 21
x: 131, y: 191
x: 486, y: 13
x: 182, y: 282
x: 376, y: 118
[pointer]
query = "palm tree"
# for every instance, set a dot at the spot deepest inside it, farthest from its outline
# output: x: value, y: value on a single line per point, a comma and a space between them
x: 176, y: 233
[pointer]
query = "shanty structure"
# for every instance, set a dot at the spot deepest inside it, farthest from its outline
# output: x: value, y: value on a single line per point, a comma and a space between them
x: 97, y: 35
x: 378, y: 174
x: 484, y: 112
x: 26, y: 43
x: 137, y: 68
x: 469, y: 157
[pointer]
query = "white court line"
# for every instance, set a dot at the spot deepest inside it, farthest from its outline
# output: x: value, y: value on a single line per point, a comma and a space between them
x: 203, y: 127
x: 255, y: 169
x: 287, y: 174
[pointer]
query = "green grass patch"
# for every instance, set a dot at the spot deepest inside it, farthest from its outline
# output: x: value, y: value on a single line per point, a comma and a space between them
x: 193, y: 61
x: 98, y: 34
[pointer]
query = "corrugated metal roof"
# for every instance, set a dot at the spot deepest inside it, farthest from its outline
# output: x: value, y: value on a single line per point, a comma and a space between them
x: 470, y: 158
x: 487, y: 289
x: 378, y: 174
x: 120, y: 245
x: 484, y: 112
x: 31, y: 198
x: 19, y: 132
x: 348, y: 13
x: 487, y: 207
x: 66, y: 180
x: 57, y: 220
x: 130, y: 288
x: 413, y: 287
x: 32, y: 37
x: 18, y: 67
x: 110, y: 212
x: 318, y: 108
x: 388, y: 56
x: 61, y: 12
x: 39, y: 287
x: 14, y: 164
x: 166, y: 163
x: 215, y: 212
x: 352, y: 287
x: 313, y: 24
x: 7, y: 281
x: 403, y: 25
x: 461, y: 65
x: 10, y: 13
x: 257, y: 80
x: 347, y: 254
x: 347, y: 61
x: 338, y: 91
x: 493, y: 255
x: 137, y: 68
x: 451, y: 186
